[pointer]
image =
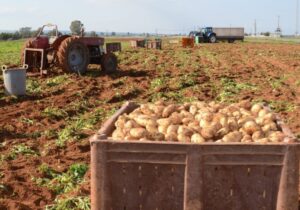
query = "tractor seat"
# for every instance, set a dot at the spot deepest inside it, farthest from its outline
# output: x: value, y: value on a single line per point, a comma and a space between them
x: 52, y: 39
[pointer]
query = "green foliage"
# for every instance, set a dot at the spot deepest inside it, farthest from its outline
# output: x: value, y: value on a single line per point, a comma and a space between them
x: 282, y: 106
x: 73, y: 131
x: 277, y: 82
x: 73, y: 203
x: 58, y: 80
x: 20, y: 149
x: 230, y: 88
x: 33, y: 86
x: 64, y: 182
x: 54, y: 113
x: 157, y: 83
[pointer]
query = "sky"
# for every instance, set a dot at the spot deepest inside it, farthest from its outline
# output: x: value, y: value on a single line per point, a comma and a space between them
x: 161, y: 16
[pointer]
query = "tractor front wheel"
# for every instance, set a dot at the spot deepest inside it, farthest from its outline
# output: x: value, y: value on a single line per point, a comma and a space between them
x: 109, y: 63
x: 73, y: 55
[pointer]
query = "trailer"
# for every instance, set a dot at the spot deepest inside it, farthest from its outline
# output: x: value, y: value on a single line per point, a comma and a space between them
x: 212, y: 35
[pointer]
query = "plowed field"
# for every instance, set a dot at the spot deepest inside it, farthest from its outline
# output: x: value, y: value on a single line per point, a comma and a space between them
x: 44, y: 147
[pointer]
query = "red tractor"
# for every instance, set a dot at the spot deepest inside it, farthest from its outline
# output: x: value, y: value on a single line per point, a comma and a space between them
x: 71, y: 53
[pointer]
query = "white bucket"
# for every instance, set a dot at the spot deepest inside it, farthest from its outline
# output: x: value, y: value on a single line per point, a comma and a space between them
x: 15, y: 80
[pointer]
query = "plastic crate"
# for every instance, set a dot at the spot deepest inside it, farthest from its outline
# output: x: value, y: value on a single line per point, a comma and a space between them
x: 178, y: 176
x: 113, y: 47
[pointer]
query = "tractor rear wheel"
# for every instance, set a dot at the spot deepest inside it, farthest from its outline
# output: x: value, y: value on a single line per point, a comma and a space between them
x: 28, y: 44
x: 109, y: 63
x: 73, y: 55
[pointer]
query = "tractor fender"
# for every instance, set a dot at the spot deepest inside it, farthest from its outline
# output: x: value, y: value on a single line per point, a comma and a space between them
x: 212, y: 34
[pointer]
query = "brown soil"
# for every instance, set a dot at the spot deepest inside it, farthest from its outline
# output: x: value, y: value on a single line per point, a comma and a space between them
x: 140, y: 69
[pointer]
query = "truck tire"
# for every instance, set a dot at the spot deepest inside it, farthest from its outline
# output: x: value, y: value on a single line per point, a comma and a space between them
x: 212, y: 39
x: 231, y: 40
x: 73, y: 55
x: 109, y: 63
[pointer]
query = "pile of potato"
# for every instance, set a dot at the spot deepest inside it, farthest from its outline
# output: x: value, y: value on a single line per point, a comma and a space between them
x: 199, y: 122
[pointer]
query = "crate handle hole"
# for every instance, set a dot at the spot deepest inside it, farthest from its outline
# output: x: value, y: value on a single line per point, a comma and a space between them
x: 140, y: 167
x: 141, y: 206
x: 248, y: 171
x: 140, y: 191
x: 124, y: 190
x: 264, y: 194
x: 231, y: 192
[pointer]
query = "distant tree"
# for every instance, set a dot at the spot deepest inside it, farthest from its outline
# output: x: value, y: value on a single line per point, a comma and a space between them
x: 93, y: 34
x: 128, y: 33
x: 76, y: 27
x: 113, y: 33
x: 265, y: 33
x: 25, y: 32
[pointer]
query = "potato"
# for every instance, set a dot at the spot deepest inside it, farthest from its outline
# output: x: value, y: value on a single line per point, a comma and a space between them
x: 118, y: 135
x: 204, y: 123
x: 232, y: 124
x: 235, y: 136
x: 257, y: 135
x: 172, y: 129
x: 193, y: 109
x: 276, y: 137
x: 183, y: 138
x: 197, y: 138
x: 185, y: 114
x: 223, y: 131
x: 237, y: 114
x: 269, y: 117
x: 175, y: 118
x: 270, y: 127
x: 164, y: 122
x: 169, y: 110
x: 256, y: 108
x: 138, y: 133
x: 156, y: 136
x: 171, y: 137
x: 246, y: 139
x: 146, y: 110
x: 251, y: 127
x: 152, y: 129
x: 185, y: 130
x: 207, y: 116
x: 263, y: 113
x: 208, y: 132
x: 145, y: 120
x: 262, y: 141
x: 186, y: 121
x: 130, y: 124
x: 162, y: 129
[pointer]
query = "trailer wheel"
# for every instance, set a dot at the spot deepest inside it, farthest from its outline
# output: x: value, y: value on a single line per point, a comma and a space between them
x: 212, y: 39
x: 109, y: 63
x: 231, y: 41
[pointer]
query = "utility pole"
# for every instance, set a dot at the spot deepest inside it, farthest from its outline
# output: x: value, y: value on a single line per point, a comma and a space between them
x: 297, y: 18
x: 255, y: 28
